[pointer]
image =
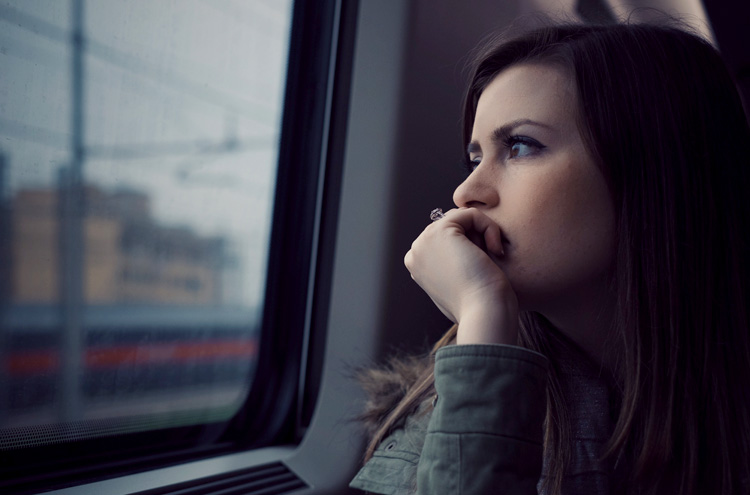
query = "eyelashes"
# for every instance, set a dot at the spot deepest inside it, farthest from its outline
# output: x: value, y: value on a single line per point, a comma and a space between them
x: 513, y: 147
x: 522, y: 146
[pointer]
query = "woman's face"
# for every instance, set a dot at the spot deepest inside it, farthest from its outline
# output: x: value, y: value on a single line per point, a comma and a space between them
x: 534, y: 177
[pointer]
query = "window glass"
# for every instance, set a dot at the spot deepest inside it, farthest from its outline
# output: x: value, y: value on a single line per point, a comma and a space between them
x: 138, y: 147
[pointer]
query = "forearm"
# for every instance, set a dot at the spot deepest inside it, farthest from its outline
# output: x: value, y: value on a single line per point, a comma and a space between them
x: 485, y: 434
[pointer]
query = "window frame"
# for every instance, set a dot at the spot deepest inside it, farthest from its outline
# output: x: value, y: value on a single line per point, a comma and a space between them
x: 311, y: 152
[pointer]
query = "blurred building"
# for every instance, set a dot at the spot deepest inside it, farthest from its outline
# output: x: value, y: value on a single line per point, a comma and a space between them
x: 128, y: 257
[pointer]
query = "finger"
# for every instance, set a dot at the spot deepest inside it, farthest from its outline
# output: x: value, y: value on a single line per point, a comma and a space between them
x: 478, y: 228
x: 494, y: 240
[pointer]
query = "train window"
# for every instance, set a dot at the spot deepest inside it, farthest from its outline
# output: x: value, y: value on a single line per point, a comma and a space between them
x: 139, y: 183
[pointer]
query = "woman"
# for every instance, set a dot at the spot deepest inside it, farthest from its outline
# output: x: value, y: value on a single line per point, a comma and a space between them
x: 595, y: 269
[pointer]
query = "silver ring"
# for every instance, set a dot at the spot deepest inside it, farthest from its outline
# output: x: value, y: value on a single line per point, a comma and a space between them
x: 436, y: 214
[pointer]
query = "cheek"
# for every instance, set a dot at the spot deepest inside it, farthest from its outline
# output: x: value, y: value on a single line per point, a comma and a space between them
x: 564, y: 233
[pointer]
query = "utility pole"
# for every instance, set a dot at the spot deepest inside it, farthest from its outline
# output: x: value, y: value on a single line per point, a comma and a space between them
x: 6, y: 270
x: 71, y: 236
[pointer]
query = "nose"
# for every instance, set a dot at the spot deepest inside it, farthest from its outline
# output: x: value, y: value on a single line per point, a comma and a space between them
x: 478, y: 190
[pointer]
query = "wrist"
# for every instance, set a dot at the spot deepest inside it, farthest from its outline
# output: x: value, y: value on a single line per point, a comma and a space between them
x: 489, y: 323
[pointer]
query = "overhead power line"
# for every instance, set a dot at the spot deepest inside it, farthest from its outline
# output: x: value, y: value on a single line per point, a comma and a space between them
x: 135, y: 151
x: 34, y: 134
x: 251, y: 110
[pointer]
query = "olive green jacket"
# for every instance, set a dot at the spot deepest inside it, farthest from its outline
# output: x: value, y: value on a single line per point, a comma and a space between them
x: 482, y: 435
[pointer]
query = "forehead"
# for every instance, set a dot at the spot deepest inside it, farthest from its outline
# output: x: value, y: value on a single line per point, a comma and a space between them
x: 543, y: 93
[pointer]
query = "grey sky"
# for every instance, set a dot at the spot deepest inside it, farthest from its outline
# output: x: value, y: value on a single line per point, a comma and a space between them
x: 167, y: 84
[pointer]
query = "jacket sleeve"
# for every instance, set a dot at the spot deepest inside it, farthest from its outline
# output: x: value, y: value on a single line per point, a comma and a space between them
x: 485, y: 434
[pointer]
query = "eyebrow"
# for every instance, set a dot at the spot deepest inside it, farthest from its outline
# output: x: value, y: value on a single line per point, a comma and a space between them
x: 502, y: 133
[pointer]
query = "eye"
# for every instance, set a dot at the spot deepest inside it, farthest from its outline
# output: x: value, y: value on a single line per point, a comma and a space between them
x: 471, y: 163
x: 522, y: 146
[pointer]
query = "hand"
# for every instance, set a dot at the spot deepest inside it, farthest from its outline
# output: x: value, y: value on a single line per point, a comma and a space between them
x: 456, y: 262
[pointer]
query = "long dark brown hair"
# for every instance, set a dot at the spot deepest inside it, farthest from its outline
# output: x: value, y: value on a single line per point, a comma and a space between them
x: 661, y: 116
